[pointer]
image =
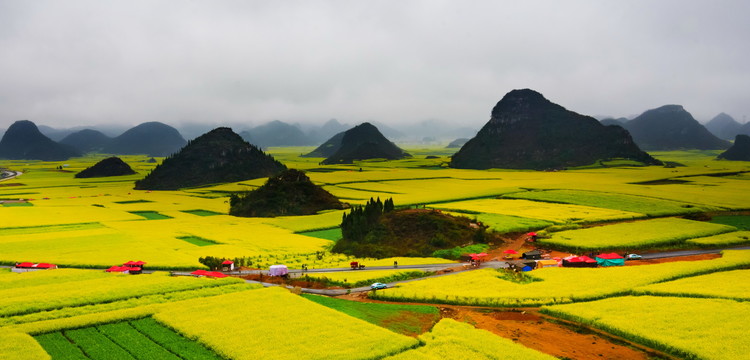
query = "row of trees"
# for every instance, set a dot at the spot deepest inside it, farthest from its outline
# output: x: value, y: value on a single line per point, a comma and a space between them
x: 362, y: 219
x: 214, y: 263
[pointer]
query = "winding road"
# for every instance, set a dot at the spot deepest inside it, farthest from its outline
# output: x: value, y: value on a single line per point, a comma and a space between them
x: 437, y: 267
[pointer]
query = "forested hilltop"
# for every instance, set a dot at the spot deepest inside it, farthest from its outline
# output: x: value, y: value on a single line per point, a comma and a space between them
x: 289, y: 193
x: 217, y: 156
x: 380, y: 230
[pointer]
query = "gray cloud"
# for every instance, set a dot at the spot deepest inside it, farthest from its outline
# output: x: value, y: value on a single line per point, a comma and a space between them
x: 90, y: 62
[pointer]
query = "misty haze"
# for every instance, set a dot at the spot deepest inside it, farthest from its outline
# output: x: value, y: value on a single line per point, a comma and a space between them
x: 374, y: 179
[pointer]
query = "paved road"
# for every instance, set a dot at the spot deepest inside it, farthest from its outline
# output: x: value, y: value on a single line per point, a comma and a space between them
x: 668, y: 254
x: 9, y: 174
x: 336, y: 292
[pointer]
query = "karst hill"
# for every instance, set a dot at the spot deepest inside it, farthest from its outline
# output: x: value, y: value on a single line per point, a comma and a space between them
x: 217, y: 156
x: 527, y: 131
x: 24, y: 141
x: 739, y: 151
x: 150, y: 138
x: 112, y: 166
x: 670, y: 127
x: 363, y: 142
x: 276, y: 133
x: 87, y: 140
x: 724, y: 126
x: 289, y: 193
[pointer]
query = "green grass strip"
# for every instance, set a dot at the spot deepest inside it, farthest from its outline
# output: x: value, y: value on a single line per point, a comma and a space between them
x: 403, y: 319
x: 96, y: 345
x: 59, y: 347
x: 172, y: 341
x: 741, y: 222
x: 199, y: 212
x: 135, y: 343
x: 150, y: 215
x: 327, y: 234
x: 197, y: 240
x: 50, y: 228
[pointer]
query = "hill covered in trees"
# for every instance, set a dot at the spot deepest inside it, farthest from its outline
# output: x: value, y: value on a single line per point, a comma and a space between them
x: 379, y: 230
x: 24, y: 141
x: 112, y: 166
x: 739, y: 151
x: 217, y: 156
x: 328, y: 148
x: 527, y: 131
x: 289, y: 193
x: 363, y: 142
x: 150, y: 138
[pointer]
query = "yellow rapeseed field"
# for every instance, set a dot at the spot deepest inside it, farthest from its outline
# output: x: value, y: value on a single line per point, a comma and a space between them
x: 687, y: 327
x: 558, y: 213
x: 553, y: 285
x: 725, y: 284
x: 272, y: 324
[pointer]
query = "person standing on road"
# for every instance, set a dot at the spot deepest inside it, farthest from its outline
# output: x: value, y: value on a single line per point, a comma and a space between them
x: 395, y: 264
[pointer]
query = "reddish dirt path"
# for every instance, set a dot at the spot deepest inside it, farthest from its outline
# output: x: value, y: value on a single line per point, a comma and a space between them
x: 528, y: 327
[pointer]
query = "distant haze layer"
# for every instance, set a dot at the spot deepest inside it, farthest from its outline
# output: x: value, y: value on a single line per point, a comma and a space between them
x: 90, y: 62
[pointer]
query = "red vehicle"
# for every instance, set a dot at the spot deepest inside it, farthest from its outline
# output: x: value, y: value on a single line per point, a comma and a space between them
x: 355, y: 265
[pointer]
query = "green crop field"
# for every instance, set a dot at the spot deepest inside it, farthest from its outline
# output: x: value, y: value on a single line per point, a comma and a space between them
x: 403, y: 319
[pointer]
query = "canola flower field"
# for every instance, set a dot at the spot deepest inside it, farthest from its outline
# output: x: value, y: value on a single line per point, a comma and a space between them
x: 635, y: 235
x: 103, y: 222
x: 46, y: 215
x: 557, y: 285
x: 690, y: 328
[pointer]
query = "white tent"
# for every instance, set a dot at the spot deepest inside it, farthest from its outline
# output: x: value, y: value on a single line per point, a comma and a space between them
x: 278, y: 270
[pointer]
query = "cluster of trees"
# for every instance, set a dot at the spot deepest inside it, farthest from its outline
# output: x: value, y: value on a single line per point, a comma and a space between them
x: 214, y: 263
x: 363, y: 219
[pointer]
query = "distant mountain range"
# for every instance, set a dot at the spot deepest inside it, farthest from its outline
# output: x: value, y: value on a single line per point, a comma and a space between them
x: 276, y: 133
x: 150, y: 138
x: 87, y: 140
x: 724, y: 126
x: 527, y: 131
x: 670, y: 127
x: 458, y: 143
x: 24, y: 141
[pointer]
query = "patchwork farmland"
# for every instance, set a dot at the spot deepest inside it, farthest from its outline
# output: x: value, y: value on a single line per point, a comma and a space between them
x: 87, y: 225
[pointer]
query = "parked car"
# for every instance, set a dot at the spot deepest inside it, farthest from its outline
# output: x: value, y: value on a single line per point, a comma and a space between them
x: 378, y: 286
x: 633, y: 257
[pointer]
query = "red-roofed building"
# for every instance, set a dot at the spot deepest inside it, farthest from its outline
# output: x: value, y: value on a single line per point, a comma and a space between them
x: 27, y: 266
x: 227, y: 265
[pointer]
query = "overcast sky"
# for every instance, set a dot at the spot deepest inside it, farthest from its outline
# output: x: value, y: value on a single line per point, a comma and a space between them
x: 69, y: 63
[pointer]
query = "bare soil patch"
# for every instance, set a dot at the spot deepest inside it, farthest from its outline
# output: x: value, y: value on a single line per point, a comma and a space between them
x: 528, y: 327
